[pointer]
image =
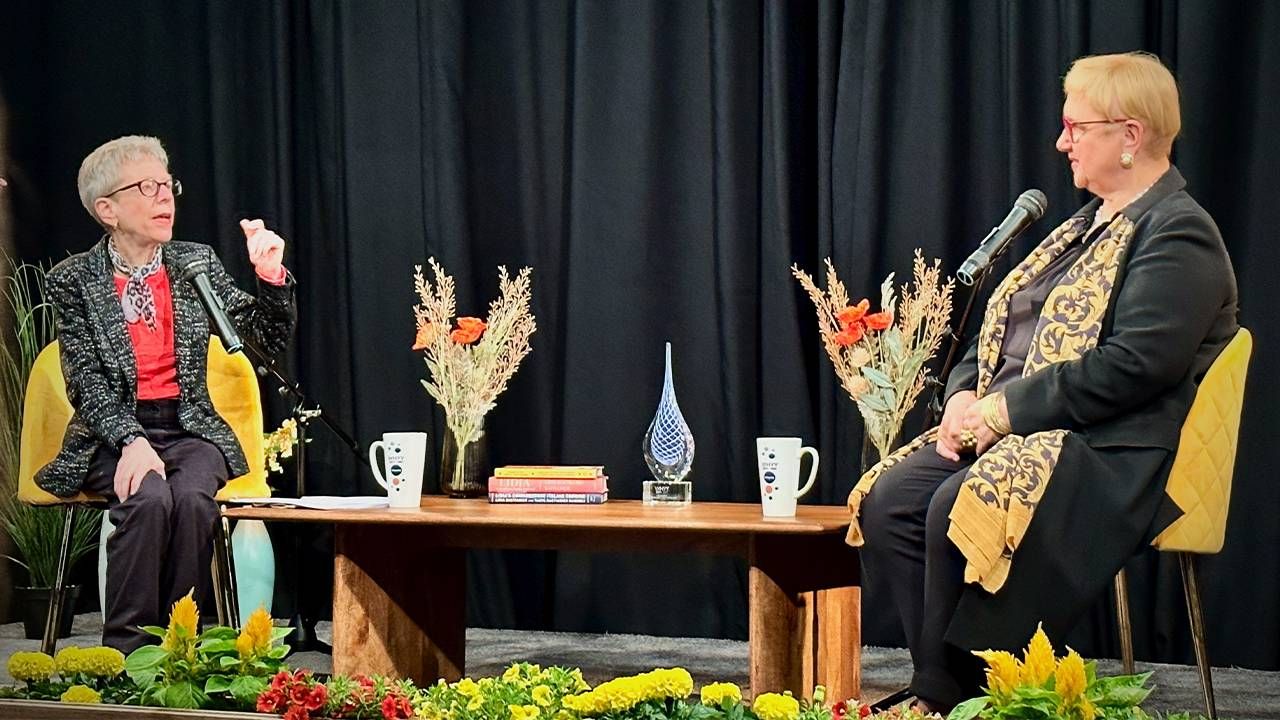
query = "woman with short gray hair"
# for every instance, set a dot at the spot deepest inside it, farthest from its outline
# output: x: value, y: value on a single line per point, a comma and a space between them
x: 134, y: 346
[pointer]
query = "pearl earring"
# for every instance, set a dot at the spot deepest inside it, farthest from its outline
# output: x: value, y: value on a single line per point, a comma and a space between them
x: 1126, y: 160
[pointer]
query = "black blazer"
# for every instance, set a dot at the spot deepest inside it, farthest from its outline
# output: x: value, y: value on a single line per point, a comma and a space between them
x: 1172, y: 311
x: 98, y: 362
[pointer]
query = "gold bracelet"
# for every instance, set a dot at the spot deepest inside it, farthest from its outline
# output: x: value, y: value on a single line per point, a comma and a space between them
x: 991, y: 414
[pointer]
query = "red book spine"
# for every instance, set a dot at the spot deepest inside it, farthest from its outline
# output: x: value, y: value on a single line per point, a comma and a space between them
x: 549, y: 485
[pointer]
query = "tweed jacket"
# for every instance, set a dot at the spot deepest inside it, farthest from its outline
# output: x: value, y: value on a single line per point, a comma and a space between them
x: 100, y: 370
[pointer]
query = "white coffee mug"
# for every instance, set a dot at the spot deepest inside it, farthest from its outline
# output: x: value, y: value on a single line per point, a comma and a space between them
x: 404, y: 454
x: 778, y: 460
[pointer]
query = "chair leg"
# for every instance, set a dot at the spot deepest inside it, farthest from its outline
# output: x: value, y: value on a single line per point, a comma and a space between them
x: 53, y: 618
x: 224, y: 574
x: 1123, y: 621
x: 1191, y: 587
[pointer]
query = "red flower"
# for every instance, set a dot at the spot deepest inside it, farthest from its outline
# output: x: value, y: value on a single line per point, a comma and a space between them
x: 879, y: 321
x: 864, y: 710
x: 850, y: 335
x: 297, y: 712
x: 390, y: 708
x: 298, y: 694
x: 406, y: 707
x: 839, y: 709
x: 853, y: 313
x: 318, y: 697
x: 271, y: 701
x: 469, y: 330
x: 282, y: 677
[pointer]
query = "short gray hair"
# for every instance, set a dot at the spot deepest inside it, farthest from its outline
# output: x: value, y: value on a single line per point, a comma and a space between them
x: 100, y: 171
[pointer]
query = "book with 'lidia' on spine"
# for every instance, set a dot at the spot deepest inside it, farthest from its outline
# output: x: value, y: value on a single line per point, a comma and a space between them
x: 549, y: 471
x: 556, y: 485
x: 548, y: 498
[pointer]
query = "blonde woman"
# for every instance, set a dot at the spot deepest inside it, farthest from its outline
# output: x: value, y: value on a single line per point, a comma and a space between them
x: 1047, y: 471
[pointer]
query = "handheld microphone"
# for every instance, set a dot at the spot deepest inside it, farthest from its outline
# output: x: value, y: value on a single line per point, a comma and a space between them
x: 196, y: 272
x: 1028, y: 208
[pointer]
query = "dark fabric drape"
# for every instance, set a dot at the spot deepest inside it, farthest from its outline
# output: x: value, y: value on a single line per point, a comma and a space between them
x: 660, y: 165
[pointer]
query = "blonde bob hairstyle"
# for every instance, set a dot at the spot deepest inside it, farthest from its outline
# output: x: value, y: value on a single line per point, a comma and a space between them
x: 1132, y: 85
x: 100, y: 171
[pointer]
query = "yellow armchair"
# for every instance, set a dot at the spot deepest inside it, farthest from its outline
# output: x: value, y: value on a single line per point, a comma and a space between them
x: 233, y: 387
x: 1200, y: 483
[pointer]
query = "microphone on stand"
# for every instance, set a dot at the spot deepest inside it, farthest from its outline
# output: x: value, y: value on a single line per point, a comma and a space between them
x: 1028, y: 208
x: 196, y: 272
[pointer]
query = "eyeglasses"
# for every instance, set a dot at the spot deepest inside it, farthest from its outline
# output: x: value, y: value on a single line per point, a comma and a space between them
x: 150, y: 188
x: 1076, y: 128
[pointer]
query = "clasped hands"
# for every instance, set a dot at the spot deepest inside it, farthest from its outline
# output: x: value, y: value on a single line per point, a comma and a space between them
x: 970, y: 425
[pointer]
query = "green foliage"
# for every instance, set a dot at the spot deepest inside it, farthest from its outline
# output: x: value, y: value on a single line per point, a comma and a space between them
x: 203, y: 671
x: 36, y: 532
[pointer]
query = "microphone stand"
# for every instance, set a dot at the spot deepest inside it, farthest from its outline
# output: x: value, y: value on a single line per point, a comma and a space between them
x: 956, y: 341
x: 304, y: 627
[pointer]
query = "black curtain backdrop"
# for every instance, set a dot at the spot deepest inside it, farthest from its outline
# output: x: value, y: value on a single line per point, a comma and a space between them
x: 659, y: 165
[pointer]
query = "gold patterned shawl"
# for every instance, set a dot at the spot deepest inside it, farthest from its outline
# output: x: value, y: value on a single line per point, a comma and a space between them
x: 999, y: 494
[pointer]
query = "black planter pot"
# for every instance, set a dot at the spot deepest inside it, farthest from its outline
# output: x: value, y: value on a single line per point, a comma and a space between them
x: 34, y: 602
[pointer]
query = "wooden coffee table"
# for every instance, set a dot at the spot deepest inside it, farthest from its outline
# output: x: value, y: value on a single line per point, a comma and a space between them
x: 399, y: 595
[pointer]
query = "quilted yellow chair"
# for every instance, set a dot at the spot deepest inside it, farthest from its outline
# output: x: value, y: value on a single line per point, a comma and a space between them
x: 1200, y: 483
x: 233, y: 387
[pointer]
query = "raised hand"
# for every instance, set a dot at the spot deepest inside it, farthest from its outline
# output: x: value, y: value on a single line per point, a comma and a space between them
x: 266, y: 249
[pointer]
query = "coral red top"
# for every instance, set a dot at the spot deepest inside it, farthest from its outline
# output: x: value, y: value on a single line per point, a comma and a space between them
x: 153, y: 349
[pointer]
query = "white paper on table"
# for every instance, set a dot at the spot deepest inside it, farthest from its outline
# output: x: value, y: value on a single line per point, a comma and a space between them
x: 318, y: 502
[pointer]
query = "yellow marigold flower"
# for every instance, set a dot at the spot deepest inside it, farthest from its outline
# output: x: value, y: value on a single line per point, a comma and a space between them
x: 1038, y: 662
x: 185, y: 616
x: 542, y: 695
x: 1002, y: 672
x: 30, y: 666
x: 256, y: 635
x: 81, y: 694
x: 467, y: 687
x: 523, y: 712
x: 772, y: 706
x: 100, y: 662
x: 1069, y: 679
x: 67, y: 661
x: 716, y: 693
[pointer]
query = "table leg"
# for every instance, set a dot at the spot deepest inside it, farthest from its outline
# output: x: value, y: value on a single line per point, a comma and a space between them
x: 805, y: 616
x: 399, y: 604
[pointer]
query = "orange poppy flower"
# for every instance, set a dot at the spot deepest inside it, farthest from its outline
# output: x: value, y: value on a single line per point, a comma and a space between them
x: 853, y: 313
x: 878, y: 321
x: 469, y: 330
x: 850, y: 335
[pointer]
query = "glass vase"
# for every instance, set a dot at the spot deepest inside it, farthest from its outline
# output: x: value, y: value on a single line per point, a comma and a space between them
x: 462, y: 469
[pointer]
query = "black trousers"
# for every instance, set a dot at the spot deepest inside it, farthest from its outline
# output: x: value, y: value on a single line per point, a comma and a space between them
x: 162, y: 545
x: 904, y: 521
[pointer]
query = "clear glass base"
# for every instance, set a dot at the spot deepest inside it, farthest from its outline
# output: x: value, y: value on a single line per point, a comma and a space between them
x: 664, y: 492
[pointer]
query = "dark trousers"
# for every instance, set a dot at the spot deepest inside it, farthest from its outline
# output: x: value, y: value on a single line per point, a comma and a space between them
x: 904, y: 520
x: 162, y: 545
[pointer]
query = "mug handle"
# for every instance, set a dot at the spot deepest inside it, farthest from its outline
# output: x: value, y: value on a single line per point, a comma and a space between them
x: 373, y: 462
x: 813, y: 471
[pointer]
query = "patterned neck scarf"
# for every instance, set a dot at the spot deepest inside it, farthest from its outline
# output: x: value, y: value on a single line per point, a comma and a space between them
x: 137, y: 301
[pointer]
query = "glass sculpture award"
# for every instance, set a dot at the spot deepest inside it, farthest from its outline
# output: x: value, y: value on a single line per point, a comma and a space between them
x: 668, y: 450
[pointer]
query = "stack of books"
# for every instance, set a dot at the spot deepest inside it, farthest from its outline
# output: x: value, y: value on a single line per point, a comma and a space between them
x: 563, y: 484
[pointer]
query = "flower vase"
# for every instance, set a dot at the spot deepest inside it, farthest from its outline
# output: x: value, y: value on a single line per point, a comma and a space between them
x: 462, y: 469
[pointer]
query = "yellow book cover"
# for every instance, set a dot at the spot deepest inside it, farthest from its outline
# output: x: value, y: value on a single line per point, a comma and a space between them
x: 548, y: 471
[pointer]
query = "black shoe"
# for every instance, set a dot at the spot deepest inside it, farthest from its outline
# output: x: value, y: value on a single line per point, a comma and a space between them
x: 892, y: 700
